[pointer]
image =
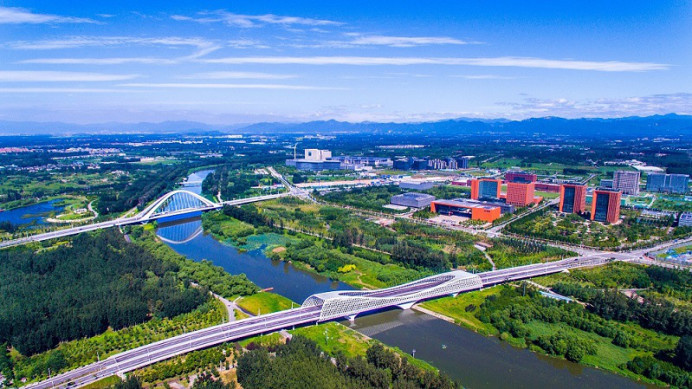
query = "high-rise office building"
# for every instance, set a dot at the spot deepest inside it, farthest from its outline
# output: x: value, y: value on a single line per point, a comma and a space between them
x: 670, y: 183
x: 486, y: 188
x: 572, y: 198
x: 626, y: 181
x: 605, y: 206
x: 520, y: 193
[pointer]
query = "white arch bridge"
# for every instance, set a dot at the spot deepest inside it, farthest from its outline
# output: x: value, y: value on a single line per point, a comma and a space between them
x: 176, y: 203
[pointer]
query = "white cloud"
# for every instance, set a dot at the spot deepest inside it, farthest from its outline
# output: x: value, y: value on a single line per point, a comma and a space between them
x: 405, y: 41
x: 605, y: 107
x: 202, y: 47
x: 100, y: 61
x: 238, y: 75
x: 51, y: 76
x: 523, y: 62
x: 247, y: 21
x: 10, y: 15
x: 105, y: 41
x: 225, y: 86
x: 246, y: 43
x: 63, y: 90
x: 482, y: 77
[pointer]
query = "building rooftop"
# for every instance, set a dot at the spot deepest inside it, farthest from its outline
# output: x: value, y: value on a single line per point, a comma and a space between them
x: 416, y: 195
x: 464, y: 203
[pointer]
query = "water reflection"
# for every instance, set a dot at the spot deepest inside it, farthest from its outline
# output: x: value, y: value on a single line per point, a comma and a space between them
x: 478, y: 361
x: 186, y: 239
x: 32, y: 214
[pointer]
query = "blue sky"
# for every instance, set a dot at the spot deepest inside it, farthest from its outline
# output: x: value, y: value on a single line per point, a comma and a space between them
x: 239, y: 62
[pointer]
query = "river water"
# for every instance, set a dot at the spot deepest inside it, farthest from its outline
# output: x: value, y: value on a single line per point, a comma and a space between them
x: 476, y: 361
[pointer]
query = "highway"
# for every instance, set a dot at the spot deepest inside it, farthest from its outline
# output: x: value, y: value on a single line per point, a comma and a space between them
x: 181, y: 344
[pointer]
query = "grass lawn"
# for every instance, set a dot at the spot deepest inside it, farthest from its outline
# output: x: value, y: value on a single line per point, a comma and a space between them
x: 333, y: 337
x: 547, y: 195
x: 455, y: 308
x: 265, y: 302
x: 104, y: 383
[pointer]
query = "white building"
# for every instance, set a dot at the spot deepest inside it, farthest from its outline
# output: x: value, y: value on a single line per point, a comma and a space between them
x: 317, y: 155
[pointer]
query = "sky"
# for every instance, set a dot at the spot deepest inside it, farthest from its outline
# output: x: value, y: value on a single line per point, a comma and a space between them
x: 230, y: 62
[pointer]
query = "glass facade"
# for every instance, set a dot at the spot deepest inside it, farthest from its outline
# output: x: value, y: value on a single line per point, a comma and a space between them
x: 602, y: 200
x: 487, y: 190
x: 568, y: 203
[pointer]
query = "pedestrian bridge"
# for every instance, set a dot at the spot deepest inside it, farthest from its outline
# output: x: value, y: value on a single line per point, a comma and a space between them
x: 349, y: 303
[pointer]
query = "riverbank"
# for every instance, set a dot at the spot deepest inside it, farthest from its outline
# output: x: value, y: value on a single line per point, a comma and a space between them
x: 527, y: 320
x: 357, y: 267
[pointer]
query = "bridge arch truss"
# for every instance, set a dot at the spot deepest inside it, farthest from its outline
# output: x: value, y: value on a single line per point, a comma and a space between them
x: 175, y: 202
x: 340, y: 304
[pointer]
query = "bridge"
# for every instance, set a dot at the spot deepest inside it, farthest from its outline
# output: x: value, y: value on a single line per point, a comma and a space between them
x: 316, y: 308
x: 176, y: 204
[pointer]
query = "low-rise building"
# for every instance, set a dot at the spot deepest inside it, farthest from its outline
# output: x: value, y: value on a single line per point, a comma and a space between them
x: 685, y: 219
x: 412, y: 199
x: 416, y: 185
x: 472, y: 210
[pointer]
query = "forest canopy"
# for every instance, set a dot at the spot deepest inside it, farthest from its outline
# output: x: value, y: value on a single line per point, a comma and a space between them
x: 72, y: 292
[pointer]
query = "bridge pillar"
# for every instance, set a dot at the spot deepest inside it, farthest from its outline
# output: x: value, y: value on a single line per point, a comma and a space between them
x: 454, y: 294
x: 351, y: 318
x: 406, y: 305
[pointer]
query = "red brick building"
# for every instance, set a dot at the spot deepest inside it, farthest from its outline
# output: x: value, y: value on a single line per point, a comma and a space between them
x: 573, y: 198
x: 520, y: 194
x: 605, y: 206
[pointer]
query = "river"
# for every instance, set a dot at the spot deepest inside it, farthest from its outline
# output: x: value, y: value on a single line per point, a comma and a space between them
x: 476, y: 361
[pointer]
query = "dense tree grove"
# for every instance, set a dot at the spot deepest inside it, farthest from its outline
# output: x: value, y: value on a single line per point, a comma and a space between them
x: 413, y: 255
x: 232, y: 183
x: 204, y: 273
x: 301, y: 364
x: 653, y: 368
x: 509, y: 313
x: 72, y: 292
x: 132, y: 382
x: 657, y: 314
x: 248, y: 214
x: 683, y: 352
x: 125, y: 194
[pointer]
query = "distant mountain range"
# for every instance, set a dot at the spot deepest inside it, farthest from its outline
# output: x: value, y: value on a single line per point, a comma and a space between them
x: 652, y: 126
